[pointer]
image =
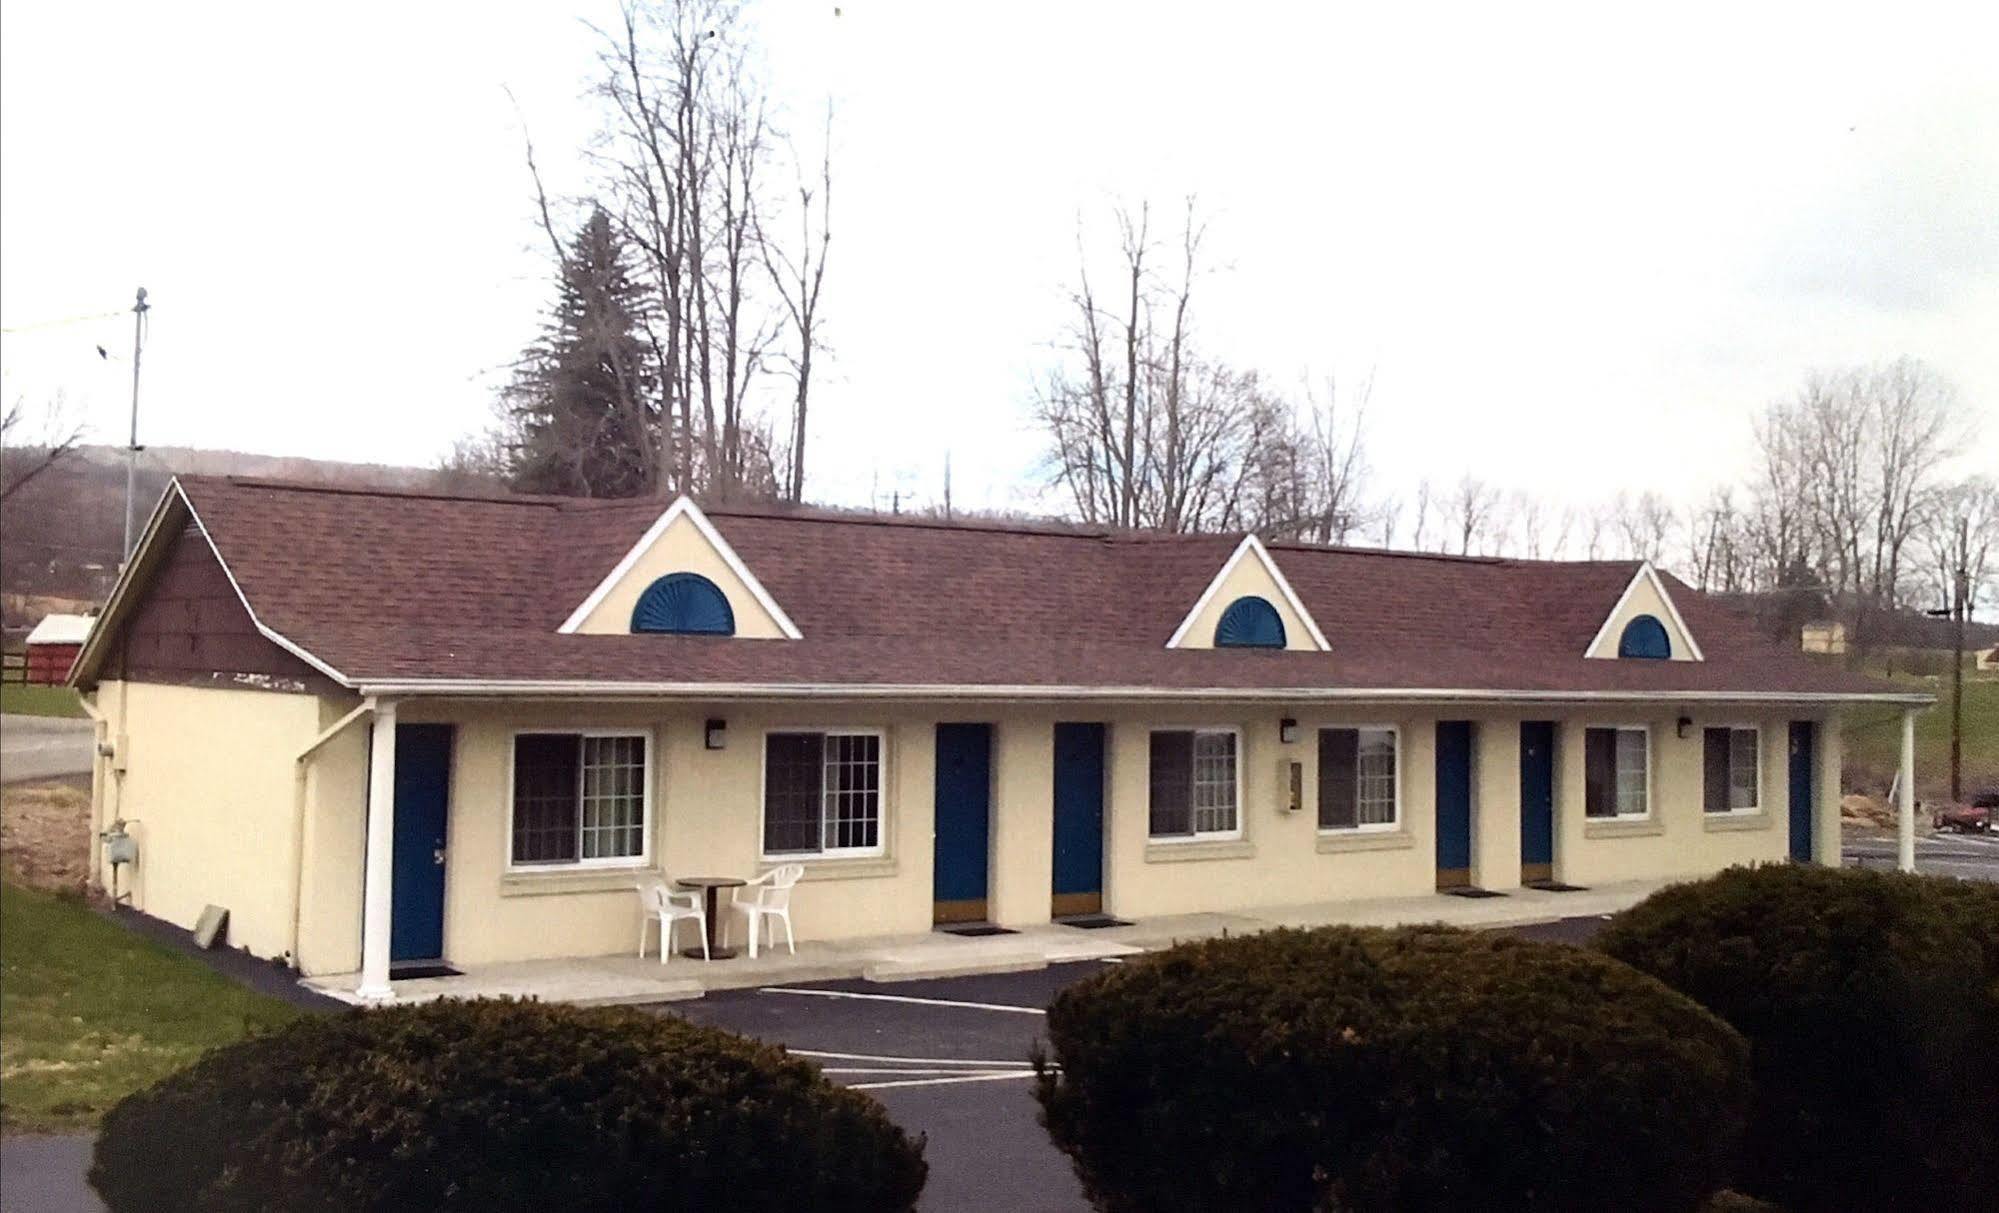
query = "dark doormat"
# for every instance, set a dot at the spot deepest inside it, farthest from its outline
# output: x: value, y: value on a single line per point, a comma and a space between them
x: 1092, y: 922
x: 1556, y: 886
x: 975, y: 928
x: 422, y: 968
x: 1472, y: 891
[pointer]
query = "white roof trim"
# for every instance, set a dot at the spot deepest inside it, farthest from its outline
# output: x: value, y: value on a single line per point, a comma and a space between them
x: 114, y: 605
x: 1646, y: 573
x: 698, y: 691
x: 683, y: 506
x: 1250, y: 543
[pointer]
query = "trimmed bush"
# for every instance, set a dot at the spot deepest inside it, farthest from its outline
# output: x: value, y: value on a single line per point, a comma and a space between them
x: 1871, y: 1004
x: 1367, y: 1069
x: 498, y: 1105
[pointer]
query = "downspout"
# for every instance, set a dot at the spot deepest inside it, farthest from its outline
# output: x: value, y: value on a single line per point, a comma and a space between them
x: 300, y: 769
x: 99, y: 794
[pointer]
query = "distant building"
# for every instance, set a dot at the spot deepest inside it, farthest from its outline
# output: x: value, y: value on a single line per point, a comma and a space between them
x: 1824, y: 636
x: 1989, y: 659
x: 53, y: 646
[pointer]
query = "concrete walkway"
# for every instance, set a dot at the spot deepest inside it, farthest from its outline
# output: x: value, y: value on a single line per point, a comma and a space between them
x: 605, y: 980
x: 43, y: 747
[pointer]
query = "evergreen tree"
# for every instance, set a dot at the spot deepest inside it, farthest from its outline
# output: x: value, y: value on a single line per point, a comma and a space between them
x: 585, y: 400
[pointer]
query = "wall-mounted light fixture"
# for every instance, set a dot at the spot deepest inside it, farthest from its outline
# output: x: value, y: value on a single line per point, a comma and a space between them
x: 1287, y: 730
x: 1685, y: 723
x: 717, y: 735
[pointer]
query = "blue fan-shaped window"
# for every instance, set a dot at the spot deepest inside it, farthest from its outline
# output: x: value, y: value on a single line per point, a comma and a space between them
x: 1250, y: 623
x: 684, y: 602
x: 1645, y: 637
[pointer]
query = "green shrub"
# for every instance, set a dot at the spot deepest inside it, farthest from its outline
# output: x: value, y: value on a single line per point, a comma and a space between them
x: 501, y: 1105
x: 1871, y: 1005
x: 1366, y: 1069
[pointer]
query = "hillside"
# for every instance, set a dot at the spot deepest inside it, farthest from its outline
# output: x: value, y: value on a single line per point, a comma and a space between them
x: 60, y: 535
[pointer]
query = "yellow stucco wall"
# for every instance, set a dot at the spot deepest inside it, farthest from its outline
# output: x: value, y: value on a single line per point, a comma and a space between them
x: 1644, y: 600
x: 209, y: 791
x: 707, y: 820
x: 1247, y: 577
x: 681, y: 548
x: 1679, y: 839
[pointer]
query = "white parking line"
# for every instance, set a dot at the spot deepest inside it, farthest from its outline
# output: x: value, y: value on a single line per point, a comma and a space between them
x: 925, y: 1002
x: 915, y: 1061
x: 937, y: 1082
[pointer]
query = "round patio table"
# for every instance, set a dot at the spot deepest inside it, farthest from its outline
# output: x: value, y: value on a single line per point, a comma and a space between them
x: 710, y: 885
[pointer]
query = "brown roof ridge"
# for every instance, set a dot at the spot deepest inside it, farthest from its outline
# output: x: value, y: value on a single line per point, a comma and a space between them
x: 497, y: 497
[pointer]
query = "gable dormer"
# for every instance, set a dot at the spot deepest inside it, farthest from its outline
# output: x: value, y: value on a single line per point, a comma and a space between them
x: 1249, y: 604
x: 682, y: 577
x: 1645, y: 625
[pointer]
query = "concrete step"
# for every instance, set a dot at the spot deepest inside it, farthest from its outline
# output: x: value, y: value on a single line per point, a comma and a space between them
x: 951, y: 963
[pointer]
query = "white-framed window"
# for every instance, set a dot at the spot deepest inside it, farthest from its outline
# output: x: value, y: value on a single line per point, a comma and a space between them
x: 579, y: 799
x: 1732, y: 769
x: 822, y: 792
x: 1360, y: 778
x: 1617, y: 772
x: 1196, y: 786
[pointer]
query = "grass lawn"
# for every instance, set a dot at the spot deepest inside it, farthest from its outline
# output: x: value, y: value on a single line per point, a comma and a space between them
x: 90, y: 1012
x: 28, y: 700
x: 1874, y: 741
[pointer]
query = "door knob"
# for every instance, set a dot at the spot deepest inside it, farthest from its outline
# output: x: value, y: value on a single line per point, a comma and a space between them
x: 437, y: 856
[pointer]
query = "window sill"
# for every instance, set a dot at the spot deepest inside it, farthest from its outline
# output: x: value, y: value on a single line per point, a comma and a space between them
x: 575, y: 880
x: 1610, y: 827
x: 1365, y: 840
x: 1716, y: 823
x: 859, y: 867
x: 1190, y: 852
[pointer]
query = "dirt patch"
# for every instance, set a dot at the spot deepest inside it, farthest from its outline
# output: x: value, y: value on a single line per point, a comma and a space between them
x: 1867, y: 811
x: 45, y: 834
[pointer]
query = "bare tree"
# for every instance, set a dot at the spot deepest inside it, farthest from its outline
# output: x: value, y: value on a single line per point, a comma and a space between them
x: 1423, y: 505
x: 798, y: 280
x: 31, y: 445
x: 1643, y: 524
x: 1472, y: 509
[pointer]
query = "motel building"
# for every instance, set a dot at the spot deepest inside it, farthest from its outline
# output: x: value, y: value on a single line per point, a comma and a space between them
x: 394, y: 729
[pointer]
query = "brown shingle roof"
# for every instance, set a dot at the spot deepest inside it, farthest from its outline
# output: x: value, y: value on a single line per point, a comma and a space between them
x: 398, y: 588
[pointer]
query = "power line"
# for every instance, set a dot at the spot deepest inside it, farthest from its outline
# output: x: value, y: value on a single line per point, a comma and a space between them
x: 50, y: 324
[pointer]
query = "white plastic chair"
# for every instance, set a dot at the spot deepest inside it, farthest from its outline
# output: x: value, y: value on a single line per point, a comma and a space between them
x: 657, y: 901
x: 769, y: 896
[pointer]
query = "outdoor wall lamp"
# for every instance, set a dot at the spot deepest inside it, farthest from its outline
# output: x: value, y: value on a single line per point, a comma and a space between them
x: 1287, y: 730
x: 1685, y: 723
x: 717, y: 735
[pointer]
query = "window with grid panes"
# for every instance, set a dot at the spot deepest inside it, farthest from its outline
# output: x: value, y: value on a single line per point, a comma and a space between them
x: 1193, y: 783
x: 578, y: 797
x: 822, y: 793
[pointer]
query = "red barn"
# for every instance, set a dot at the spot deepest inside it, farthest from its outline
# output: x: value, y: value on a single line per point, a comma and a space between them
x: 53, y: 645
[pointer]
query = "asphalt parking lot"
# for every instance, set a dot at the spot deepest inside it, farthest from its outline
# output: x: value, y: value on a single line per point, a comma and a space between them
x: 1966, y: 856
x: 949, y: 1059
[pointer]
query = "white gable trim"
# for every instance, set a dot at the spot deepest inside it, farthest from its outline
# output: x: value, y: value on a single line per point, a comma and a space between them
x: 1251, y: 544
x: 683, y: 506
x: 1645, y: 573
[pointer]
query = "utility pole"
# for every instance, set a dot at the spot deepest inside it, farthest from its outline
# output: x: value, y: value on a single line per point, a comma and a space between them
x: 132, y: 449
x: 1961, y: 594
x: 1957, y: 610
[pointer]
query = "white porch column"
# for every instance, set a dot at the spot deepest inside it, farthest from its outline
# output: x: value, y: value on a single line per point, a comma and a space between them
x: 380, y: 853
x: 1905, y: 820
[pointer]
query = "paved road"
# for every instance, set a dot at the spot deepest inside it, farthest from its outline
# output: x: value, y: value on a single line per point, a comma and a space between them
x: 1970, y: 856
x: 43, y: 747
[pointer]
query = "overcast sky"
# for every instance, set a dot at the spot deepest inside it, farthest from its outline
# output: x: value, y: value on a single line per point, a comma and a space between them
x: 1575, y: 250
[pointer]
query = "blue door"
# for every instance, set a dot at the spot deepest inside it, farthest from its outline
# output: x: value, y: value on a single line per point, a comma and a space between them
x: 1804, y: 753
x: 1079, y: 819
x: 1454, y: 742
x: 964, y: 820
x: 423, y: 787
x: 1537, y: 801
